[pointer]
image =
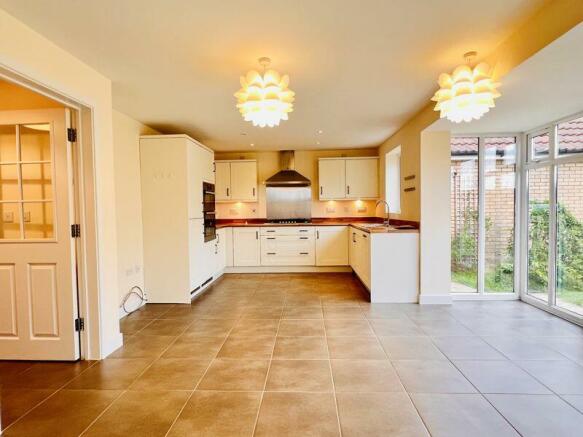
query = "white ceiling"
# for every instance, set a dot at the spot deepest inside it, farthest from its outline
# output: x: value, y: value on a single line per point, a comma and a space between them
x: 546, y: 87
x: 360, y: 69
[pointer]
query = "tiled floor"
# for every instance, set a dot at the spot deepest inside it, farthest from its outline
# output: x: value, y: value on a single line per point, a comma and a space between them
x: 306, y: 355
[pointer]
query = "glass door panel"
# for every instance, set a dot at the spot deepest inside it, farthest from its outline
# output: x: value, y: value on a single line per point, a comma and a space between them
x: 464, y: 215
x: 499, y: 202
x: 538, y: 232
x: 569, y: 271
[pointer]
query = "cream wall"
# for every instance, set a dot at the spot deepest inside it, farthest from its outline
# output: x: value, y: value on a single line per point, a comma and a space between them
x: 24, y: 51
x: 128, y: 201
x: 306, y: 163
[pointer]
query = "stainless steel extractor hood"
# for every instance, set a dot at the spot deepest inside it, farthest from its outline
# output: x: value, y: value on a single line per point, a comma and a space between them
x: 288, y: 193
x: 287, y: 176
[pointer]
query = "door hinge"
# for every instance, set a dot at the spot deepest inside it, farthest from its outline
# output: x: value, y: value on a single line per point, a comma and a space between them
x: 80, y: 324
x: 71, y: 134
x: 75, y: 231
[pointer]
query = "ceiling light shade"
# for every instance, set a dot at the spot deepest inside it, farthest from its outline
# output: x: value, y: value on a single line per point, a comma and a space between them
x: 466, y: 94
x: 265, y: 99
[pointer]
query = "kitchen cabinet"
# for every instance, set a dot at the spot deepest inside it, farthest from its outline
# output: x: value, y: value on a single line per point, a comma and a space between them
x: 172, y: 170
x: 332, y: 245
x: 236, y: 181
x: 332, y: 178
x: 220, y: 253
x: 348, y: 178
x: 228, y: 242
x: 360, y: 255
x: 288, y: 246
x: 246, y: 247
x: 362, y: 178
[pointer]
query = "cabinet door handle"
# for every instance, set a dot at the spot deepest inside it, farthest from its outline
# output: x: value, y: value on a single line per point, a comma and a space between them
x: 304, y: 253
x: 253, y: 192
x: 321, y: 190
x: 347, y: 189
x: 271, y: 238
x: 353, y: 237
x: 257, y: 235
x: 304, y: 238
x: 216, y: 249
x: 364, y: 236
x: 271, y: 253
x: 270, y: 230
x: 227, y: 192
x: 318, y: 235
x: 303, y: 230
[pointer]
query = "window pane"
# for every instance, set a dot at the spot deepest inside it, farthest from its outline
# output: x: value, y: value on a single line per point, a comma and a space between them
x: 38, y: 220
x: 464, y: 215
x: 9, y: 182
x: 9, y: 221
x: 35, y: 142
x: 36, y: 182
x: 570, y: 137
x: 7, y: 143
x: 538, y: 232
x: 499, y: 182
x: 569, y: 293
x: 539, y: 146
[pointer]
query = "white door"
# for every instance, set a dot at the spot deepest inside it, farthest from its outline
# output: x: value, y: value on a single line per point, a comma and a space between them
x: 38, y: 294
x: 222, y: 180
x: 246, y: 247
x: 362, y: 178
x: 244, y: 180
x: 332, y: 178
x: 332, y: 246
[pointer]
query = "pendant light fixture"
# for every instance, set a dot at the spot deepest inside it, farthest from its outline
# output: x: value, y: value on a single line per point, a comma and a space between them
x: 466, y: 94
x: 265, y: 99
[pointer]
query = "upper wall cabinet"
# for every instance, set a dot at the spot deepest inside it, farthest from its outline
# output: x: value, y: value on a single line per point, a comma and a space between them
x: 348, y: 178
x: 236, y: 181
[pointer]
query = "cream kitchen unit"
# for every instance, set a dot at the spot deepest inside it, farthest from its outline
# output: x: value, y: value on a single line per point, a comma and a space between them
x: 178, y: 263
x: 236, y: 180
x: 387, y: 263
x: 348, y: 178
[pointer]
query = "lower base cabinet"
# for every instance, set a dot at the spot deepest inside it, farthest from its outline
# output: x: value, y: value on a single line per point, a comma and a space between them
x: 246, y: 247
x: 332, y: 245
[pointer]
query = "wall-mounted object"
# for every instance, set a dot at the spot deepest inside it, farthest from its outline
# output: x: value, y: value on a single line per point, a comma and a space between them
x: 409, y: 178
x: 348, y: 178
x: 407, y: 190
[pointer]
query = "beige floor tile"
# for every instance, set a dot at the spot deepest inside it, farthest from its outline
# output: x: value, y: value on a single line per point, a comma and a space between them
x: 143, y: 346
x: 343, y: 312
x: 301, y: 328
x: 66, y: 413
x: 171, y: 374
x: 300, y: 375
x: 210, y: 328
x: 348, y: 328
x: 303, y: 312
x: 210, y: 413
x: 365, y: 376
x: 247, y: 348
x: 297, y: 414
x: 110, y: 374
x: 9, y: 369
x: 355, y: 348
x: 49, y: 375
x: 255, y: 327
x: 17, y: 401
x: 240, y: 375
x: 267, y: 312
x: 297, y: 348
x: 195, y: 347
x: 411, y: 348
x: 166, y: 327
x: 132, y: 326
x: 140, y: 414
x: 379, y: 414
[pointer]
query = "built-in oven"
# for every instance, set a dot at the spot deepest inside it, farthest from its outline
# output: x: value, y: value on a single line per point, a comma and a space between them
x: 208, y: 211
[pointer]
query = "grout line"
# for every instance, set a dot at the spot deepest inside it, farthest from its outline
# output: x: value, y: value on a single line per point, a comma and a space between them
x: 268, y: 369
x: 332, y: 376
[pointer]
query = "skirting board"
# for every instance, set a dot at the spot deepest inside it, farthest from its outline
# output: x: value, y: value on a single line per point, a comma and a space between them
x: 435, y: 299
x: 288, y: 269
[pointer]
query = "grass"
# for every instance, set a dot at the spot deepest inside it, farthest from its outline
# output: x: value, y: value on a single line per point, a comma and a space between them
x: 503, y: 283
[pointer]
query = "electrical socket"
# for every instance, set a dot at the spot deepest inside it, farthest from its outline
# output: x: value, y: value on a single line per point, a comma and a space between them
x: 361, y: 209
x: 330, y: 209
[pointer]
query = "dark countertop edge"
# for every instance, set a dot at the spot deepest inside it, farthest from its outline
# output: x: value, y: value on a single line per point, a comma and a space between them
x: 340, y: 221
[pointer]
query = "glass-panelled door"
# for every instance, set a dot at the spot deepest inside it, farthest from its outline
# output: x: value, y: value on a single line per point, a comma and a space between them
x: 554, y: 217
x: 483, y: 212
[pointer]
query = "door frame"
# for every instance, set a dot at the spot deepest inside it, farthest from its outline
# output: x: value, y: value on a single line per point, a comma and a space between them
x: 79, y: 116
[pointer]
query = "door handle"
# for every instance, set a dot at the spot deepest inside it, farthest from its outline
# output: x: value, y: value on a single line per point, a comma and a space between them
x: 304, y: 238
x: 253, y: 192
x: 304, y: 253
x: 271, y: 238
x: 321, y: 190
x: 257, y: 235
x: 303, y: 230
x: 227, y: 192
x: 347, y: 189
x: 317, y: 235
x: 353, y: 237
x: 271, y: 253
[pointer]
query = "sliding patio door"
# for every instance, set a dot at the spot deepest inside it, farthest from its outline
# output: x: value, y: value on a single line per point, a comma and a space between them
x: 554, y: 217
x: 483, y: 212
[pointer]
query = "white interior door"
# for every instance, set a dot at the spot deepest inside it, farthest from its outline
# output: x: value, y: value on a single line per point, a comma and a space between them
x: 38, y: 294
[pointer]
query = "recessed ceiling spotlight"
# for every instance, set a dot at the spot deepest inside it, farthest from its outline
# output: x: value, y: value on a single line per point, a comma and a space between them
x: 318, y: 142
x: 320, y: 131
x: 252, y: 144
